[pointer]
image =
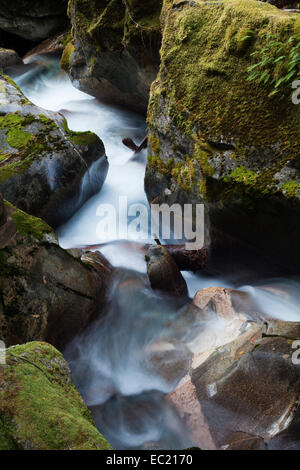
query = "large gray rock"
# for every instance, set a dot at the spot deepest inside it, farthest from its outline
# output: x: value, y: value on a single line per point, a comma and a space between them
x: 212, y: 143
x: 45, y: 169
x: 47, y: 293
x: 33, y: 19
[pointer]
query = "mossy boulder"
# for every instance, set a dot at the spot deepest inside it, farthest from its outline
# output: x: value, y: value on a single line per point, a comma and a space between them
x: 40, y: 409
x: 46, y: 293
x: 222, y: 140
x: 114, y: 52
x: 33, y: 19
x: 42, y: 162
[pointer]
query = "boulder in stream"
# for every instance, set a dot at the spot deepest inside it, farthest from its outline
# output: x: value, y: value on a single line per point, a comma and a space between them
x: 46, y: 293
x: 163, y: 272
x: 210, y: 142
x: 46, y: 169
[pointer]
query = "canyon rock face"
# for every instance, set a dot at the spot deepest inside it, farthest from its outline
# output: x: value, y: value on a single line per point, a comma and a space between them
x: 33, y: 19
x: 219, y: 139
x: 45, y: 169
x: 47, y: 293
x: 114, y: 54
x: 40, y: 407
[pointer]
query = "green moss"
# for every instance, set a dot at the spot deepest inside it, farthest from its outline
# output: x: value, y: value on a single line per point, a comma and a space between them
x: 40, y: 406
x: 28, y: 225
x: 80, y: 138
x: 242, y: 175
x: 154, y: 143
x: 65, y: 59
x: 14, y: 124
x: 29, y: 146
x: 292, y: 189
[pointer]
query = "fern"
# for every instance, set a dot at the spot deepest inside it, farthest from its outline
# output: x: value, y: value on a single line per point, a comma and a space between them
x: 278, y: 63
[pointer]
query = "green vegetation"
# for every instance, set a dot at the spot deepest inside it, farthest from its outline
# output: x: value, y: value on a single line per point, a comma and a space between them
x: 278, y: 63
x: 40, y: 407
x: 65, y: 59
x: 80, y: 138
x: 28, y: 225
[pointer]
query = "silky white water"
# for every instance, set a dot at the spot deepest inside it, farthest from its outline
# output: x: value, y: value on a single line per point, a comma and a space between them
x: 111, y: 362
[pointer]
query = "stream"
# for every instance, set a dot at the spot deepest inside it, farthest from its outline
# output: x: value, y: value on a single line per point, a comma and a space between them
x: 114, y: 363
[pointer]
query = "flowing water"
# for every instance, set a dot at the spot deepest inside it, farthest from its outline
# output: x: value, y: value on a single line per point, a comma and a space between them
x: 126, y: 363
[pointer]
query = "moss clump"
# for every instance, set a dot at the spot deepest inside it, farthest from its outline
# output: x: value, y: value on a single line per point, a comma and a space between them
x: 291, y: 189
x: 65, y: 58
x: 40, y: 407
x: 13, y: 124
x: 154, y: 143
x: 242, y: 175
x: 27, y: 224
x: 80, y: 138
x: 29, y: 146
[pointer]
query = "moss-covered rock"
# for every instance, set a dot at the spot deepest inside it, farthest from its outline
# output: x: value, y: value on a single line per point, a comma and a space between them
x: 114, y: 52
x: 40, y: 296
x: 216, y: 137
x: 40, y: 409
x: 33, y: 19
x: 43, y: 162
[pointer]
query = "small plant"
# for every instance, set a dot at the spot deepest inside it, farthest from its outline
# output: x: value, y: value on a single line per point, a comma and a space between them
x: 278, y: 64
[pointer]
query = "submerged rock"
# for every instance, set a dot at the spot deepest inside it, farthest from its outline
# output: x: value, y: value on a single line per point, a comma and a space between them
x: 114, y: 53
x: 47, y: 294
x: 45, y: 169
x: 40, y: 407
x: 211, y: 142
x: 33, y: 19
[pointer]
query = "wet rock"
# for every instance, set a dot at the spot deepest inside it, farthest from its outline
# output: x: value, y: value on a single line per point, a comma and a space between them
x: 9, y: 58
x: 33, y: 19
x: 45, y: 169
x: 226, y: 303
x: 52, y: 46
x: 46, y: 293
x: 163, y: 272
x: 241, y: 394
x: 288, y: 329
x: 169, y: 359
x: 114, y: 54
x: 40, y: 407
